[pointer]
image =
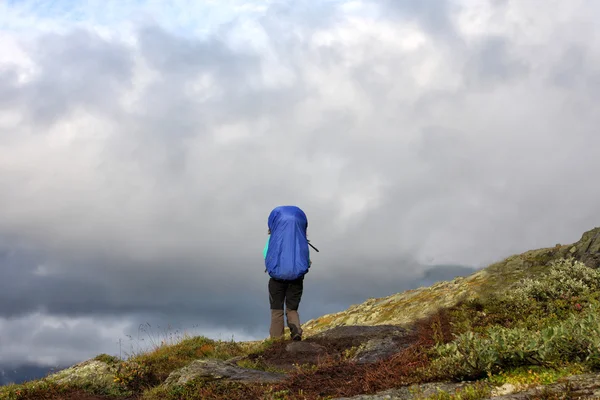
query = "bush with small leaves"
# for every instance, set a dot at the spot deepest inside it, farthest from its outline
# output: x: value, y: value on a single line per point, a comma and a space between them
x: 566, y: 278
x: 471, y: 355
x: 110, y: 360
x: 133, y: 376
x: 567, y: 287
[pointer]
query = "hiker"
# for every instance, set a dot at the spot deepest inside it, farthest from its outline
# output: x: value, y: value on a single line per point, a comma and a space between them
x: 287, y: 260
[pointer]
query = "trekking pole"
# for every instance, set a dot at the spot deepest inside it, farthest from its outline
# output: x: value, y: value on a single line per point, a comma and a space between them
x: 317, y: 250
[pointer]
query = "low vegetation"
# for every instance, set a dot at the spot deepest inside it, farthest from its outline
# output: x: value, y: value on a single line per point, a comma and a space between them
x: 549, y: 321
x: 543, y: 329
x: 147, y: 370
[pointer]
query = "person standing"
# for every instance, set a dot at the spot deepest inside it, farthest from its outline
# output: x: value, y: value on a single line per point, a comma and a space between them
x: 287, y: 261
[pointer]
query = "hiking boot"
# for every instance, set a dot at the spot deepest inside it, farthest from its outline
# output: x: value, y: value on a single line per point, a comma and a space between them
x: 293, y: 320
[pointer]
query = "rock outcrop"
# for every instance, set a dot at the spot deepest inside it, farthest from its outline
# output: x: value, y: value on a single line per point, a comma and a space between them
x: 361, y: 333
x: 403, y: 309
x: 373, y: 343
x: 371, y: 332
x: 362, y: 344
x: 413, y: 392
x: 585, y: 386
x: 588, y: 248
x: 305, y: 347
x: 213, y: 370
x: 91, y: 373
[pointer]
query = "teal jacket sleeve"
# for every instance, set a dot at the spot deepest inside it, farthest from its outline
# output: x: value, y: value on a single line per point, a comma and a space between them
x: 266, y: 248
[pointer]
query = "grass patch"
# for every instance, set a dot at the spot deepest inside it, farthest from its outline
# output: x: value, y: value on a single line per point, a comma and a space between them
x: 32, y: 390
x: 524, y: 377
x: 49, y: 390
x: 199, y: 389
x: 150, y: 369
x: 259, y: 365
x: 476, y: 391
x: 110, y: 360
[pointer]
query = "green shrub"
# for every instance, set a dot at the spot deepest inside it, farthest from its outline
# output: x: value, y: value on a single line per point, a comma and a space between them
x: 198, y: 389
x: 473, y: 355
x: 566, y: 278
x: 110, y: 360
x: 159, y: 363
x: 567, y: 287
x: 134, y: 376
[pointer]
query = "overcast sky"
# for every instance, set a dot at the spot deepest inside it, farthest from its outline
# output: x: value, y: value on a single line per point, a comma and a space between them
x: 143, y: 145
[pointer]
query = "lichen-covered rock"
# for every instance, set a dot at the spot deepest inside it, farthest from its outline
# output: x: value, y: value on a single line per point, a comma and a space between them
x: 588, y: 248
x: 393, y: 394
x: 361, y: 333
x: 585, y: 386
x: 503, y: 390
x: 91, y: 373
x: 401, y: 309
x: 212, y: 370
x: 236, y: 360
x: 377, y: 349
x: 405, y: 308
x: 304, y: 347
x: 413, y: 392
x: 362, y: 343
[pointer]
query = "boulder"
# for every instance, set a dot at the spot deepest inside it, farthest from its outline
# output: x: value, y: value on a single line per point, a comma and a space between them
x: 584, y: 386
x: 503, y: 390
x: 212, y: 370
x: 377, y: 349
x: 371, y: 343
x: 236, y: 360
x: 410, y: 392
x: 361, y: 333
x: 588, y: 248
x: 91, y: 373
x: 305, y: 347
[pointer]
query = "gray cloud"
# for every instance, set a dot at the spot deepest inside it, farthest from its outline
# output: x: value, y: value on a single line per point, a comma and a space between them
x: 434, y: 17
x: 138, y: 176
x: 492, y: 61
x: 78, y: 69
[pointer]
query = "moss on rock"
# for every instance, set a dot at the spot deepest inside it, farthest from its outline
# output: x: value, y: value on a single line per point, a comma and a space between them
x: 92, y: 374
x: 405, y: 308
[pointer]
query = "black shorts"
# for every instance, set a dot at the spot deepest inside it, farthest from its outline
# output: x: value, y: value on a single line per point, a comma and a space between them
x: 288, y: 292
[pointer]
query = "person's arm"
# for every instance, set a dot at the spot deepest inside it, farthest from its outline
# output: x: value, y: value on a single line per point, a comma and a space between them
x: 266, y: 249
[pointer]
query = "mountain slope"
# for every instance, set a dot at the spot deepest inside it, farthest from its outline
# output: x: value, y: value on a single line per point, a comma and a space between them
x: 23, y: 373
x: 407, y: 307
x: 542, y: 331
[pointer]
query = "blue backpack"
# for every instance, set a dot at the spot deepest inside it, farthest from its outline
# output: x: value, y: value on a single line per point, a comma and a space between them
x: 286, y: 253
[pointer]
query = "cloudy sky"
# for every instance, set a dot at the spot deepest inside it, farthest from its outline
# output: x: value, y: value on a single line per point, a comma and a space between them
x: 144, y: 143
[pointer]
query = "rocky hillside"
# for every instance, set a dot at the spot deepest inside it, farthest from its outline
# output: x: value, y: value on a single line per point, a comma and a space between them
x: 407, y: 307
x: 527, y: 327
